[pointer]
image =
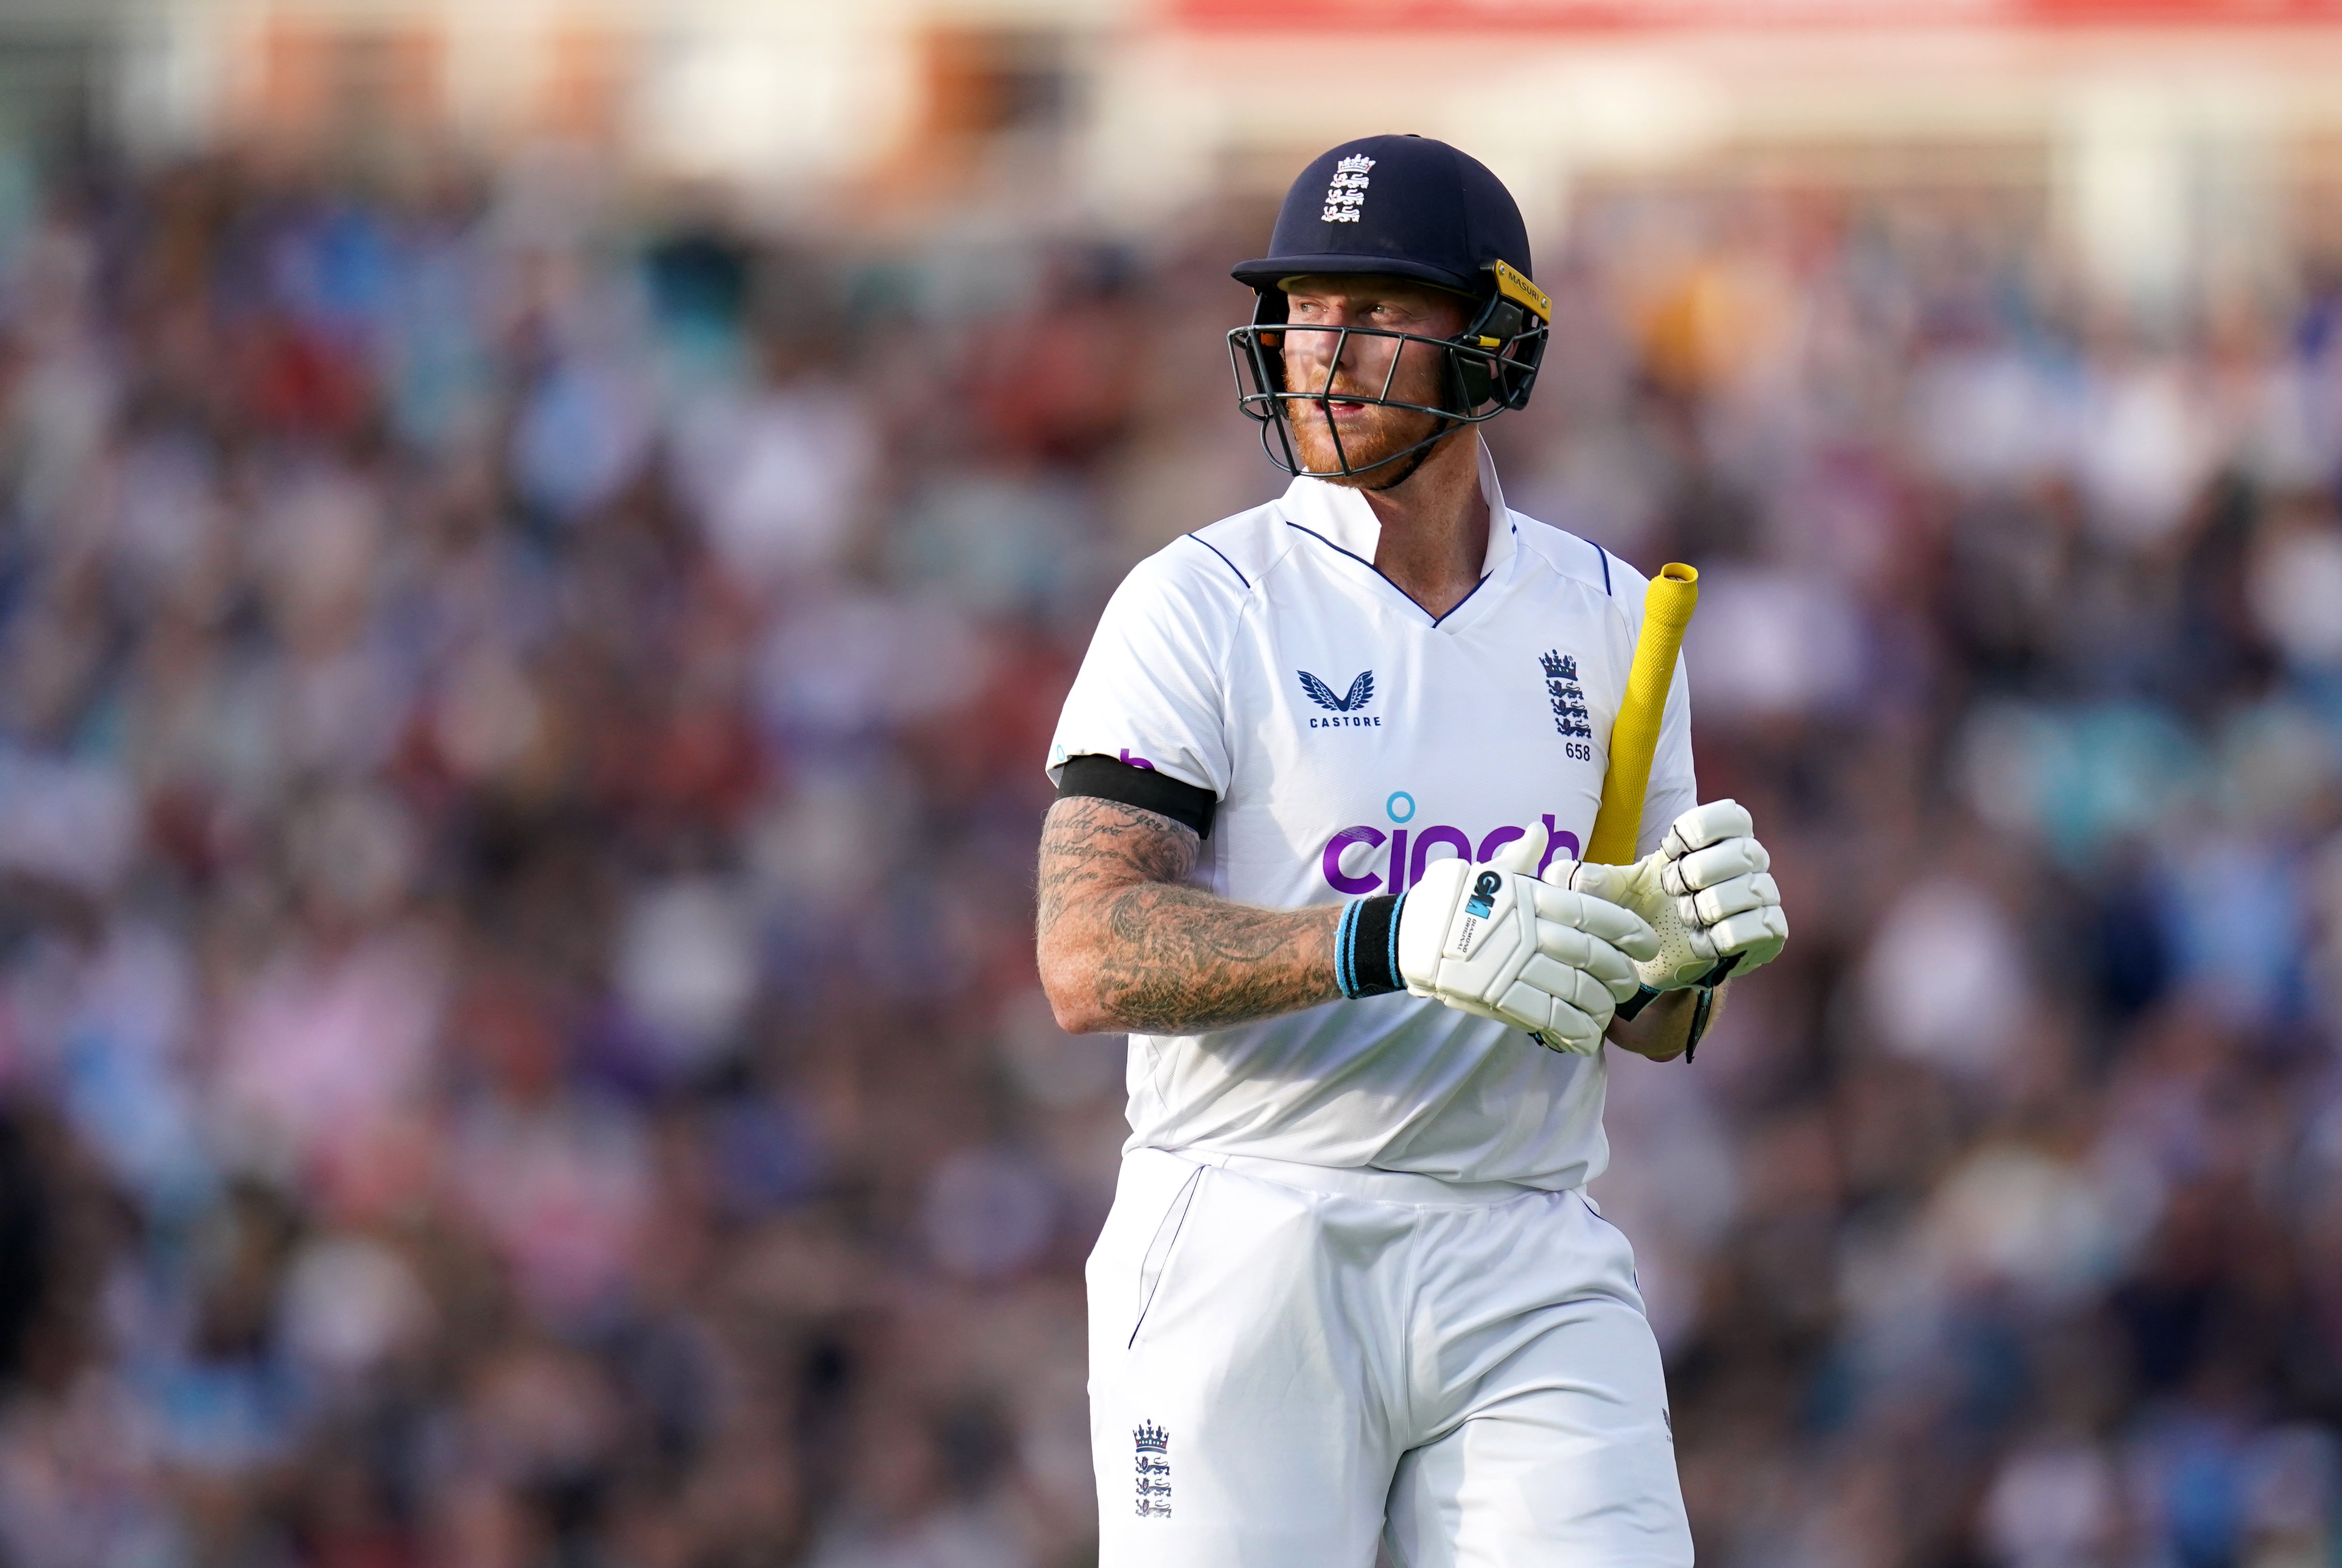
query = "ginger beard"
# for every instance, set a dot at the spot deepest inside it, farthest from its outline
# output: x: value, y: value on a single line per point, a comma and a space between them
x: 1370, y: 433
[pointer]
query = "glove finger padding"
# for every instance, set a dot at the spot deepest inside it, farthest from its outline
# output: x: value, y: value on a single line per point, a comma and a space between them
x: 1619, y: 925
x: 1710, y: 823
x: 1720, y: 862
x: 1611, y: 884
x: 1493, y: 941
x: 1571, y: 1032
x: 1589, y: 994
x: 1726, y: 899
x: 1581, y: 951
x: 1722, y: 891
x: 1756, y: 935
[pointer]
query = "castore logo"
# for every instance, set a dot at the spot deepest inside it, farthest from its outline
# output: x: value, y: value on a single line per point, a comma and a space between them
x: 1346, y: 706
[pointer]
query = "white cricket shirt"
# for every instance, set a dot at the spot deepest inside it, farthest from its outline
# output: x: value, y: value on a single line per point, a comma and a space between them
x: 1351, y: 739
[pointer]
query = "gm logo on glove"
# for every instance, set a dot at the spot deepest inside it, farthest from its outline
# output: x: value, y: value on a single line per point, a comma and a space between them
x: 1476, y: 910
x: 1496, y: 941
x: 1484, y: 894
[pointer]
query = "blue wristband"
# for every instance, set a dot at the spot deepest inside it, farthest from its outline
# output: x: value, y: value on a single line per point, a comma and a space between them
x: 1366, y: 947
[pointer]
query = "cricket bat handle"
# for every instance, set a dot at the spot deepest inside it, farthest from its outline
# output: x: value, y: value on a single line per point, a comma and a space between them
x: 1673, y: 594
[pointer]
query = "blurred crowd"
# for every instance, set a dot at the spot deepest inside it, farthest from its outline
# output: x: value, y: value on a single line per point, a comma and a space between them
x: 522, y: 716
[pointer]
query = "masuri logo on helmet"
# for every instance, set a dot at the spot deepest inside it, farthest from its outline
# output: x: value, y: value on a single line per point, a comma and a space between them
x: 1438, y: 216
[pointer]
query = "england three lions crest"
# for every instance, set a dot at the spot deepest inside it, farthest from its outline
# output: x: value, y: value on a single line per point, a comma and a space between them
x: 1564, y: 695
x: 1151, y: 1464
x: 1347, y: 193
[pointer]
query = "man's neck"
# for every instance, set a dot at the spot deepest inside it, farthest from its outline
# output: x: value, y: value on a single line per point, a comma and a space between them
x: 1434, y: 527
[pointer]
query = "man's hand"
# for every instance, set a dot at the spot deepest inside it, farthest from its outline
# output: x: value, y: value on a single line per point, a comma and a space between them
x: 1706, y: 892
x: 1713, y: 866
x: 1495, y: 941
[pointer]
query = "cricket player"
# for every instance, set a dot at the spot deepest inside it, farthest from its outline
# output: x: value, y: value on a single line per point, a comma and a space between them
x: 1324, y: 779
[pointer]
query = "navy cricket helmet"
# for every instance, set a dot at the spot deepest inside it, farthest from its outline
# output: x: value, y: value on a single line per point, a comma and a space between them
x: 1408, y: 207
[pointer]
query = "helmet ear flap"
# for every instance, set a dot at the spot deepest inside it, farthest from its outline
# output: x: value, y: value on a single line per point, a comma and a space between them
x: 1269, y: 308
x: 1476, y: 373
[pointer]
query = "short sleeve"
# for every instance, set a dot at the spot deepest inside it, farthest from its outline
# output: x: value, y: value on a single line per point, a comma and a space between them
x: 1150, y: 690
x: 1673, y: 789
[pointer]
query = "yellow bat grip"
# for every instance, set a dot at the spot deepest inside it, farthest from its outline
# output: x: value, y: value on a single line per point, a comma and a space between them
x: 1634, y: 734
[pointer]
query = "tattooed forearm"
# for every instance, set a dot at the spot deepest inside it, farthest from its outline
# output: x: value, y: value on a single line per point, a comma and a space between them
x: 1124, y: 945
x: 1176, y: 960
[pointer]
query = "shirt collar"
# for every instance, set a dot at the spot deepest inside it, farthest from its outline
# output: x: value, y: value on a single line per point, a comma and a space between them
x: 1344, y: 516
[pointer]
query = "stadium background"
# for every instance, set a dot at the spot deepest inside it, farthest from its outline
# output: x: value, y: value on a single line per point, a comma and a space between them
x: 539, y: 549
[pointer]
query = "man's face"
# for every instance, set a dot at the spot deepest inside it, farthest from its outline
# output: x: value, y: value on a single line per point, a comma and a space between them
x: 1369, y: 432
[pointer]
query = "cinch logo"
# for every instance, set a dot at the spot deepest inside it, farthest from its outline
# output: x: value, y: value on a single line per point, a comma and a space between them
x: 1361, y: 693
x: 1364, y: 859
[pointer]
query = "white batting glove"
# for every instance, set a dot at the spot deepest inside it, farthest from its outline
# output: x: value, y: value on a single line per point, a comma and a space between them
x: 1706, y: 892
x: 1495, y: 941
x: 1718, y: 875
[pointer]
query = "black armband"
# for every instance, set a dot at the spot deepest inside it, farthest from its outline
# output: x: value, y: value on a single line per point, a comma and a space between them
x: 1366, y: 947
x: 1126, y: 783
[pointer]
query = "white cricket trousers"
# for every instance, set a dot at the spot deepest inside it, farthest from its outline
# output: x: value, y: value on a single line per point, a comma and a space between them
x: 1287, y: 1360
